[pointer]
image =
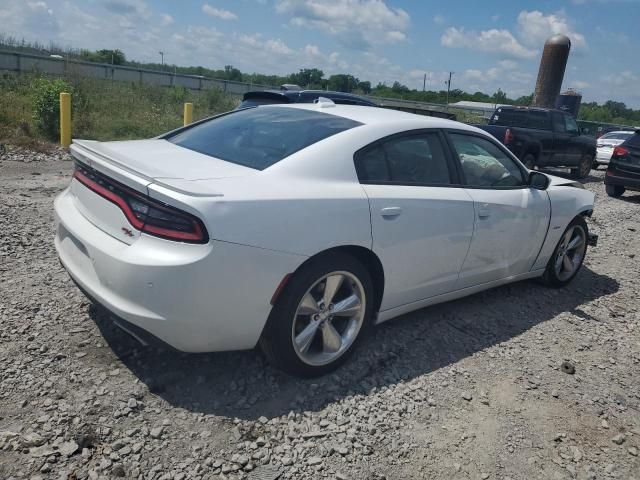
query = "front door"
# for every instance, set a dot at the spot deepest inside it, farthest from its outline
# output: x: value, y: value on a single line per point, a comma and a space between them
x: 421, y: 225
x: 511, y: 219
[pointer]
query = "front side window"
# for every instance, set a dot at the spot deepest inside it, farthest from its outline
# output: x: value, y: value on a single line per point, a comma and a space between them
x: 260, y: 137
x: 570, y: 124
x: 484, y: 164
x: 409, y: 160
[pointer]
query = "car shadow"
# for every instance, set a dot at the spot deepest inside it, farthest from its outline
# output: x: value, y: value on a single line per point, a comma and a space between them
x: 244, y: 385
x: 630, y: 198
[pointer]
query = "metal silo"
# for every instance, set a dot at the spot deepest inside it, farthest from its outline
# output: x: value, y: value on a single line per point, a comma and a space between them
x: 569, y: 102
x: 552, y: 65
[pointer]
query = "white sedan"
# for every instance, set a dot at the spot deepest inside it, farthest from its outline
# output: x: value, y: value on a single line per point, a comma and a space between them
x: 297, y: 227
x: 606, y: 143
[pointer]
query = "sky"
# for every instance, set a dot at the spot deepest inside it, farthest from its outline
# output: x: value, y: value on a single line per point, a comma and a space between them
x: 488, y: 44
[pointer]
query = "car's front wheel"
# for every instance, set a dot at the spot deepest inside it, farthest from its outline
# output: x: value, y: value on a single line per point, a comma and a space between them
x: 320, y: 317
x: 568, y: 256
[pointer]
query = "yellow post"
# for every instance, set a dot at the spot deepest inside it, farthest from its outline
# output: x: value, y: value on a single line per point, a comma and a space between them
x: 188, y: 113
x: 65, y: 119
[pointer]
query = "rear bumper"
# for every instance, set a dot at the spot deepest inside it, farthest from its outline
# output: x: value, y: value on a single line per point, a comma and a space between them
x: 622, y: 179
x: 196, y: 298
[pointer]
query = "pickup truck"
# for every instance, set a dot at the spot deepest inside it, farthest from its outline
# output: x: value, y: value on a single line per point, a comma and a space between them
x: 541, y: 137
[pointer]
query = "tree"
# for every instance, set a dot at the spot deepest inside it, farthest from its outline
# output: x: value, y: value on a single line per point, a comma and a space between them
x: 397, y: 87
x: 307, y: 77
x: 365, y: 87
x: 499, y: 97
x: 343, y: 83
x: 232, y: 73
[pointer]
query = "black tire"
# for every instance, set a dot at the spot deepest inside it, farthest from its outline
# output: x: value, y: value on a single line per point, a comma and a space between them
x: 614, y: 190
x: 277, y: 341
x: 584, y: 168
x: 550, y: 278
x: 529, y: 161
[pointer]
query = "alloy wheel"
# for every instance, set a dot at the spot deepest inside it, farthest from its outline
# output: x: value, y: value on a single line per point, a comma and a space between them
x: 570, y: 252
x: 328, y: 318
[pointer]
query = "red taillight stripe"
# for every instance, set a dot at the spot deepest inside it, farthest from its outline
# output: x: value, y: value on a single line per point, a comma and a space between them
x: 112, y: 197
x: 196, y: 236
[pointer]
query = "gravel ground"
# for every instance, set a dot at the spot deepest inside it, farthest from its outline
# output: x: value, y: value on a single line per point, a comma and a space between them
x: 473, y: 389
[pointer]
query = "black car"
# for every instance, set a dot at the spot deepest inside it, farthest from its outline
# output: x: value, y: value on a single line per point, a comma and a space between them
x: 623, y: 172
x: 269, y: 97
x: 542, y: 137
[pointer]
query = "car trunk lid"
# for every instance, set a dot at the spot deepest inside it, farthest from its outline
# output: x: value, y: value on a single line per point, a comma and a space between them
x: 137, y: 165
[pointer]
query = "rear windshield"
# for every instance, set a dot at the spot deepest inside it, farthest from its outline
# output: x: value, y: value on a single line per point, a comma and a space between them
x: 261, y: 137
x: 616, y: 136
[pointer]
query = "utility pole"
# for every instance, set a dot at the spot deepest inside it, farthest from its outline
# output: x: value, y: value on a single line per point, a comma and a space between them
x: 162, y: 59
x: 424, y: 82
x: 448, y: 82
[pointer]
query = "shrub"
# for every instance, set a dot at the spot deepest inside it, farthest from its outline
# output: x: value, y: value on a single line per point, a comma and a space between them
x: 46, y: 104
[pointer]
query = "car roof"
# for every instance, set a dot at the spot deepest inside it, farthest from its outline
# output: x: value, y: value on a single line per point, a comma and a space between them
x: 376, y: 116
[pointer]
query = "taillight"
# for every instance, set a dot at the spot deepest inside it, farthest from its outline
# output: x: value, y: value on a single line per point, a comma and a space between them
x: 620, y: 152
x: 144, y: 213
x: 508, y: 136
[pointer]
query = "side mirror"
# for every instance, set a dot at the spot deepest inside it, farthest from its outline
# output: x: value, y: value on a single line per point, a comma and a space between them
x: 538, y: 180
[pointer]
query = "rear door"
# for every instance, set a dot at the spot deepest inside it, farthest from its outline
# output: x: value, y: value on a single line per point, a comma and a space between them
x: 511, y: 219
x: 421, y: 220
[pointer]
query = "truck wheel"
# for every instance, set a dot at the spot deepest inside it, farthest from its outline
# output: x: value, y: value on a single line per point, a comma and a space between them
x: 529, y: 161
x: 614, y: 190
x: 586, y: 162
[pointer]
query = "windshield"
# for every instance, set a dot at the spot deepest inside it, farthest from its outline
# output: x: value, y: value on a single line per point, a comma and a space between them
x: 616, y: 136
x: 260, y: 137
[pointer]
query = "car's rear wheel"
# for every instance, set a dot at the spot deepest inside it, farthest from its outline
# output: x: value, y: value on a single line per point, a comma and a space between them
x: 568, y: 256
x: 614, y: 190
x: 320, y: 317
x: 586, y: 162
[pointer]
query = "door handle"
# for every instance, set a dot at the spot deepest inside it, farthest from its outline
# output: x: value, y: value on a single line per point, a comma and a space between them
x: 389, y: 212
x: 483, y: 211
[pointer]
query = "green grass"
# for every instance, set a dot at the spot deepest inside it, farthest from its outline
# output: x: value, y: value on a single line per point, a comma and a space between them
x: 105, y: 109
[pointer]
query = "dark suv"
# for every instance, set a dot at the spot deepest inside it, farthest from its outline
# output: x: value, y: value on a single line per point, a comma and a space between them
x: 269, y: 97
x: 624, y: 167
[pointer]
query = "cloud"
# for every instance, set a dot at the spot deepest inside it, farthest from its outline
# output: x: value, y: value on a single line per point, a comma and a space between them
x: 166, y: 19
x: 580, y: 84
x: 218, y: 12
x: 438, y: 19
x: 494, y: 40
x: 357, y: 24
x: 534, y: 28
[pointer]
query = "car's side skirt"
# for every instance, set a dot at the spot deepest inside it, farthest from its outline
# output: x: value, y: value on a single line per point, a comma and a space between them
x: 446, y: 297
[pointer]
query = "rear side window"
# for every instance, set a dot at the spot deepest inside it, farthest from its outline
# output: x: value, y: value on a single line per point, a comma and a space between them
x: 539, y: 120
x: 417, y: 159
x: 510, y: 117
x: 260, y: 137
